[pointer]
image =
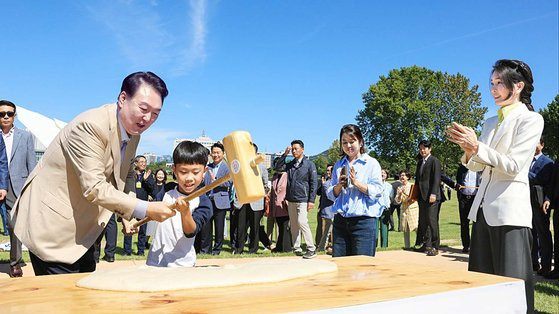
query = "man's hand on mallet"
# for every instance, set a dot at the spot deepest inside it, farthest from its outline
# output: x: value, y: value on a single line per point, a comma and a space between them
x: 160, y: 211
x: 128, y: 228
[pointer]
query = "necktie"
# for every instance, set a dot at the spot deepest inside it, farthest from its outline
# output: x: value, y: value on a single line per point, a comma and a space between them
x: 123, y: 148
x: 533, y: 162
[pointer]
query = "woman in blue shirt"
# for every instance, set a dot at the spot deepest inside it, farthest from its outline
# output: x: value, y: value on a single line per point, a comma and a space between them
x: 357, y: 192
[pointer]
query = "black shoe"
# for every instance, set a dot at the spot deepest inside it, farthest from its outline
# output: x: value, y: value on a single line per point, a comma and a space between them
x: 140, y: 253
x: 16, y: 271
x: 298, y: 253
x: 127, y: 254
x: 544, y: 271
x: 552, y: 274
x: 420, y: 249
x: 535, y: 267
x: 310, y: 254
x: 433, y: 252
x: 109, y: 259
x: 465, y: 250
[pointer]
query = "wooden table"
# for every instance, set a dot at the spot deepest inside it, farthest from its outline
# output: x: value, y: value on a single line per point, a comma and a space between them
x: 360, y: 285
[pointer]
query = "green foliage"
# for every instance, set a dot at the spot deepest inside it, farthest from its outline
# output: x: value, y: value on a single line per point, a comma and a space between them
x: 416, y: 103
x: 320, y: 162
x: 330, y: 156
x: 551, y: 129
x: 158, y: 165
x: 334, y: 152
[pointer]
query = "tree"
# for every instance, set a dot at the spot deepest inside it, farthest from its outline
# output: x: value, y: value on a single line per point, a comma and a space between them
x: 333, y: 154
x: 551, y: 128
x: 329, y: 156
x: 416, y: 103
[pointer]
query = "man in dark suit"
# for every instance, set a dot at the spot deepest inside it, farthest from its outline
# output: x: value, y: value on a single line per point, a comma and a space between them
x: 428, y: 178
x: 145, y: 184
x: 466, y: 185
x: 552, y: 201
x: 110, y: 234
x: 540, y: 178
x: 20, y: 153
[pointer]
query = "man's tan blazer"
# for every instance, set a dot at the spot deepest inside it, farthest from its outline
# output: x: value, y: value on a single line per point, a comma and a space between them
x: 71, y: 194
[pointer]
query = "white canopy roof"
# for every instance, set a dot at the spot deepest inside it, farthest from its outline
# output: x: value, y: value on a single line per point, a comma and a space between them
x: 43, y: 128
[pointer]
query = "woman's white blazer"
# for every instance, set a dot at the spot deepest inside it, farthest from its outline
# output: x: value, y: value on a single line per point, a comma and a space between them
x: 504, y: 155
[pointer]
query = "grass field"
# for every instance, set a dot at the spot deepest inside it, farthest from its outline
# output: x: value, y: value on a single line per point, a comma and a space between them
x: 546, y: 293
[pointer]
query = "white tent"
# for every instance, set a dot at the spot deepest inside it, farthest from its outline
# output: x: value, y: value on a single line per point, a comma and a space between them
x: 43, y: 128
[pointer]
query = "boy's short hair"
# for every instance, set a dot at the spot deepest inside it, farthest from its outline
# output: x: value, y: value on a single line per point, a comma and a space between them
x: 190, y: 153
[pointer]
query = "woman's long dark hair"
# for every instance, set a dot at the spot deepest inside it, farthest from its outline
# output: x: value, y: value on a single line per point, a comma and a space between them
x: 513, y: 71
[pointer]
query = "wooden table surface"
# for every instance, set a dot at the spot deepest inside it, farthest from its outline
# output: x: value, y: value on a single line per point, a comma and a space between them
x: 359, y: 280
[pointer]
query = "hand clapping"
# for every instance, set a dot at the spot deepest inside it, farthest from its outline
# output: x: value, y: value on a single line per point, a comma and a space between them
x: 147, y: 173
x: 464, y: 136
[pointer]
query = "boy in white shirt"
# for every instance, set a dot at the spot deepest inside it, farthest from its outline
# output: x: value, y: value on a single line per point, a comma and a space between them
x: 173, y: 243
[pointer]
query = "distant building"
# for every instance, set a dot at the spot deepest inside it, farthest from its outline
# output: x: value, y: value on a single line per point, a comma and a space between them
x: 268, y: 160
x: 151, y: 158
x: 39, y: 148
x: 206, y: 141
x: 165, y: 158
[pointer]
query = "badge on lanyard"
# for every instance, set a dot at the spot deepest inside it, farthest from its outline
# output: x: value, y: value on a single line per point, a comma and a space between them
x: 138, y: 184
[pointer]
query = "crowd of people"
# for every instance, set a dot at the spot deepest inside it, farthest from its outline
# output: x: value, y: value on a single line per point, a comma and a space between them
x: 63, y: 206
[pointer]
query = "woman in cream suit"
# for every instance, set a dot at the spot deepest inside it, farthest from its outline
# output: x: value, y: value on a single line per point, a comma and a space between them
x: 409, y: 212
x: 501, y: 211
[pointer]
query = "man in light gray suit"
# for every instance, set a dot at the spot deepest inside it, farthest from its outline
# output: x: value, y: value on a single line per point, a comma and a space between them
x: 20, y: 150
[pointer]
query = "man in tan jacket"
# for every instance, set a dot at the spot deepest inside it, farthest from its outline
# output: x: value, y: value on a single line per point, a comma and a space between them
x: 69, y: 197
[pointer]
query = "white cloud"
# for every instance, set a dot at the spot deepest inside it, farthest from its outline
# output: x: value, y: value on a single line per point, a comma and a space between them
x: 145, y: 35
x: 196, y: 51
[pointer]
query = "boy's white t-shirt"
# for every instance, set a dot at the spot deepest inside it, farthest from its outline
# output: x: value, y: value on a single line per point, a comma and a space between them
x: 170, y: 247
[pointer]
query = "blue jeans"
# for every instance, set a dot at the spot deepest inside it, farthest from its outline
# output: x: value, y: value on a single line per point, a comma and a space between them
x: 5, y: 218
x: 354, y: 235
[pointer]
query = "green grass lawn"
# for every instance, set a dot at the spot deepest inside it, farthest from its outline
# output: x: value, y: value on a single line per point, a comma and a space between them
x: 546, y: 293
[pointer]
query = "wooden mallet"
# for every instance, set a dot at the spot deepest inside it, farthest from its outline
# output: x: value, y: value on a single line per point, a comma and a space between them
x: 243, y: 169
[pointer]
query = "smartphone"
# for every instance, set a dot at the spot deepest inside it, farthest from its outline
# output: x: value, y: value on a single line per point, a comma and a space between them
x: 344, y: 172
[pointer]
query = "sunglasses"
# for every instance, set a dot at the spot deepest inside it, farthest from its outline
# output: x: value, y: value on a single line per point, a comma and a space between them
x: 7, y: 113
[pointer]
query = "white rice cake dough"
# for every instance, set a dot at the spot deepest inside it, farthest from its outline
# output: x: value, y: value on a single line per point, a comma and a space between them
x: 151, y: 279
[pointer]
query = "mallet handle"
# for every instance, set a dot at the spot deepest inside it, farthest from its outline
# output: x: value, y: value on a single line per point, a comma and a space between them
x: 192, y: 196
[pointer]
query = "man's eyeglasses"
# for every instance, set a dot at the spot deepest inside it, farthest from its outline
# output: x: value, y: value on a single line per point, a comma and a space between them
x: 7, y: 113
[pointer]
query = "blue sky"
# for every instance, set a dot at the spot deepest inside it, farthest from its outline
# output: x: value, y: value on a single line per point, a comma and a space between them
x: 279, y: 69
